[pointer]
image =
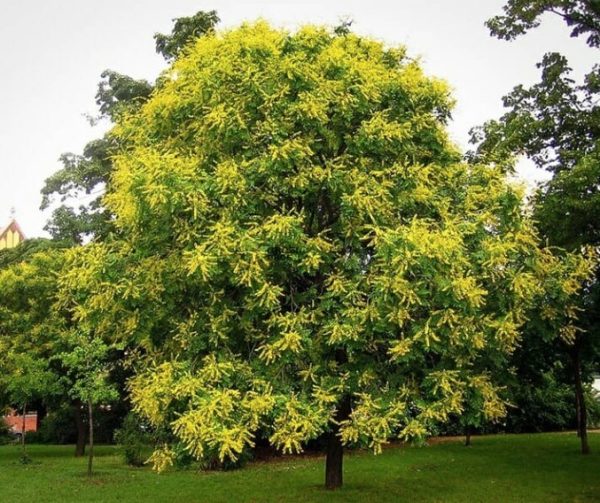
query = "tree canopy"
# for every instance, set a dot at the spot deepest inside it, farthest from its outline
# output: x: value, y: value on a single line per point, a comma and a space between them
x: 301, y: 251
x: 520, y: 16
x: 83, y: 178
x: 555, y: 123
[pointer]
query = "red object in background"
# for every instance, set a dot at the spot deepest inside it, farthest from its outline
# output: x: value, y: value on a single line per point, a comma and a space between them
x: 15, y: 421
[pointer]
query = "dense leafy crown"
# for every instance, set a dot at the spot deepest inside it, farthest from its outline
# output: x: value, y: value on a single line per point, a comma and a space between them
x: 296, y: 230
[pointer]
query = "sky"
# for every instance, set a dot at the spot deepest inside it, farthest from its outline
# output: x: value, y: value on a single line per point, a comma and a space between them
x: 53, y: 52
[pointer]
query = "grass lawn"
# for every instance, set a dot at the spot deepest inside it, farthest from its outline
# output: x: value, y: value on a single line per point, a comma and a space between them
x: 503, y: 468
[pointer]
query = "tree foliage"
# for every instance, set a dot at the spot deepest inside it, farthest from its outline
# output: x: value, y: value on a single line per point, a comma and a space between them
x: 118, y: 93
x: 27, y: 249
x: 28, y: 288
x: 44, y: 359
x: 185, y: 30
x: 556, y: 123
x: 296, y: 233
x: 520, y: 16
x: 87, y: 363
x: 83, y: 178
x: 30, y: 329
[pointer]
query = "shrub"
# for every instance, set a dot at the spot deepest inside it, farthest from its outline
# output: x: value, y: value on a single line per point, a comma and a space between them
x: 544, y: 405
x: 136, y: 438
x: 57, y: 427
x: 5, y: 435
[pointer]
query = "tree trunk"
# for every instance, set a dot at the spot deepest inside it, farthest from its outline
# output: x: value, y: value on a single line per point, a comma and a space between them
x: 91, y: 448
x: 334, y: 463
x: 80, y: 445
x: 580, y: 401
x: 42, y: 412
x: 334, y: 473
x: 577, y: 413
x: 23, y: 426
x: 467, y: 436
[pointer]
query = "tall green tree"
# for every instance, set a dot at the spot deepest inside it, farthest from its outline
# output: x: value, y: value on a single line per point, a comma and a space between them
x: 28, y: 327
x: 41, y: 361
x: 26, y: 377
x: 556, y: 124
x: 32, y: 325
x: 87, y: 362
x: 300, y: 251
x: 79, y: 185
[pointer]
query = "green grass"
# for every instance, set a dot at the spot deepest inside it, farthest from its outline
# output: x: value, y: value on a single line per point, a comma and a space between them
x: 504, y: 468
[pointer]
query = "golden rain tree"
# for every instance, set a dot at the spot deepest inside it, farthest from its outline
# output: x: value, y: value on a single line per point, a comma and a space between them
x: 300, y: 251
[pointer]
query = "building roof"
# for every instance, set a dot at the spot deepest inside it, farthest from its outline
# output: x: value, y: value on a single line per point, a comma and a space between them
x: 14, y: 227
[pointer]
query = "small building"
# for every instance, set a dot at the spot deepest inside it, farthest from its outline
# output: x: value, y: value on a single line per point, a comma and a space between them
x: 15, y: 422
x: 11, y: 235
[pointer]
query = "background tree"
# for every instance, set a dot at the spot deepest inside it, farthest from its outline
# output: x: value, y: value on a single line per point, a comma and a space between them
x: 83, y: 178
x: 24, y: 379
x: 29, y: 325
x: 185, y: 30
x: 300, y: 251
x: 32, y: 324
x: 88, y: 364
x: 520, y: 16
x: 26, y: 249
x: 556, y: 124
x: 540, y: 389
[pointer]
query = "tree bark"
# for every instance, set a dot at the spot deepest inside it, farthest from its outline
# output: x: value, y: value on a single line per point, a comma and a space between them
x: 334, y: 464
x: 42, y: 412
x: 80, y: 445
x: 580, y: 401
x: 23, y: 426
x: 577, y: 413
x: 334, y: 477
x: 91, y: 449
